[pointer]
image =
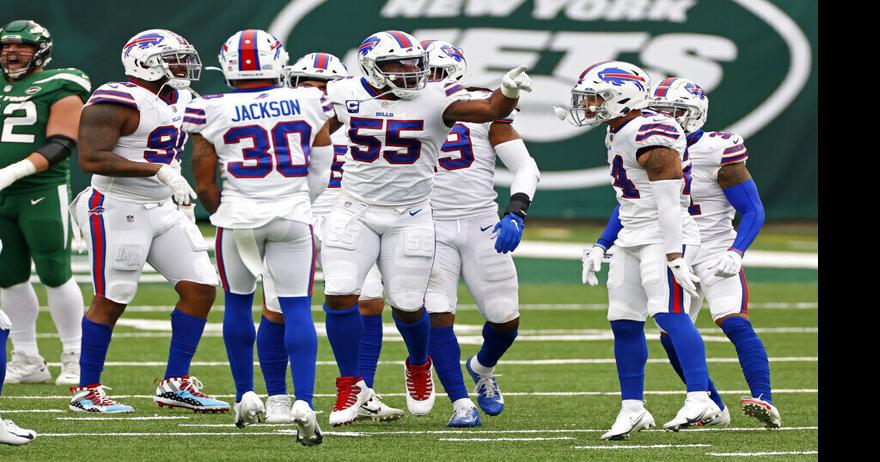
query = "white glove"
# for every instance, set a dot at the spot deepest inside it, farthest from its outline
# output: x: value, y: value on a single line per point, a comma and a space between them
x: 728, y: 265
x: 181, y: 192
x: 592, y: 263
x: 684, y: 276
x: 5, y: 323
x: 189, y: 211
x: 514, y: 81
x: 13, y: 172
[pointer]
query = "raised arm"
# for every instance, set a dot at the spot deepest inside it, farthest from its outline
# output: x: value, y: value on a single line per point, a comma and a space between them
x: 501, y: 103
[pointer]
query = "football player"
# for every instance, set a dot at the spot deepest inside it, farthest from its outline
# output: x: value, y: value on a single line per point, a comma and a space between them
x: 39, y: 110
x: 260, y: 136
x: 721, y: 186
x: 650, y: 273
x: 397, y: 122
x: 465, y: 211
x: 315, y: 70
x: 138, y: 209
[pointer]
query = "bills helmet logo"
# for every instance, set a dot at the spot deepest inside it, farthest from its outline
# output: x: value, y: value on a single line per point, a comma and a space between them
x: 143, y: 42
x: 368, y: 45
x: 618, y: 77
x: 695, y: 90
x: 452, y: 52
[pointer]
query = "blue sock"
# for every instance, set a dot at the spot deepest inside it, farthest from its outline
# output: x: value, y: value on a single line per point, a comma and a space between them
x: 416, y: 335
x: 446, y: 355
x: 752, y: 356
x: 186, y: 331
x: 273, y: 356
x: 673, y: 359
x: 239, y: 336
x: 95, y: 343
x: 371, y: 346
x: 495, y: 343
x: 688, y: 347
x: 344, y: 330
x: 630, y: 354
x: 301, y: 342
x: 4, y: 334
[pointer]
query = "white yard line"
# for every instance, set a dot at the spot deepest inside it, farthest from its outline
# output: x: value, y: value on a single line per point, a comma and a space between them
x: 500, y: 432
x: 761, y: 454
x: 62, y: 435
x: 647, y: 446
x: 471, y: 440
x: 155, y: 417
x: 30, y: 411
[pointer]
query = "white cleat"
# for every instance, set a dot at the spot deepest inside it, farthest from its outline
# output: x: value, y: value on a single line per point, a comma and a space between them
x: 249, y: 410
x: 14, y: 435
x: 761, y: 410
x: 629, y: 421
x: 278, y: 409
x: 27, y: 369
x: 374, y: 409
x: 351, y: 394
x: 723, y: 418
x: 69, y: 369
x: 307, y: 430
x: 698, y: 408
x: 419, y: 382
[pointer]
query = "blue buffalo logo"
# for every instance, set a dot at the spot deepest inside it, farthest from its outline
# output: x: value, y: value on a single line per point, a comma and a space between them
x: 143, y: 42
x: 618, y: 77
x: 452, y: 52
x: 695, y: 90
x: 368, y: 45
x: 96, y: 211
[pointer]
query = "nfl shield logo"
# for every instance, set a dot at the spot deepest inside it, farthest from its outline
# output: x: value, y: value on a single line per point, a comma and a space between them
x: 129, y: 218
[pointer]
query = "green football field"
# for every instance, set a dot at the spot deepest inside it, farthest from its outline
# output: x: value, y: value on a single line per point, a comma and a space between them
x: 559, y: 381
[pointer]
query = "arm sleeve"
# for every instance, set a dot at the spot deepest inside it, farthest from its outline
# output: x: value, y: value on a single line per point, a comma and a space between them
x: 105, y: 94
x: 612, y: 229
x: 667, y: 196
x: 194, y: 117
x: 745, y: 199
x: 525, y: 171
x: 320, y: 160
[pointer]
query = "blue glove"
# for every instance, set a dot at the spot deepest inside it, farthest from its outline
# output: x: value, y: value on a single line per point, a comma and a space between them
x: 509, y: 231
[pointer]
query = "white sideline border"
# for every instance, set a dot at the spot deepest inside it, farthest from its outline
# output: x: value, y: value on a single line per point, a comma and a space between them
x: 762, y: 454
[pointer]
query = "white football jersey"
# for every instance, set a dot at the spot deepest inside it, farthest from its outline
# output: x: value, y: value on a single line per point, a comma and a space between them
x: 324, y: 202
x: 638, y: 210
x: 157, y: 139
x: 465, y: 179
x: 709, y: 151
x: 393, y: 145
x: 262, y: 137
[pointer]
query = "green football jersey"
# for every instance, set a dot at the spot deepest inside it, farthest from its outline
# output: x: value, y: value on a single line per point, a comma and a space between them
x: 24, y: 113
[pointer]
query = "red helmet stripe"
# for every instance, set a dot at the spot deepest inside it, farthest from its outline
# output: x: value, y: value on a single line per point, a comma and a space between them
x: 248, y: 59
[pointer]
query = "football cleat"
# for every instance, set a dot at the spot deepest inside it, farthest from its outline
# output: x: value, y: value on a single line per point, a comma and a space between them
x: 307, y: 430
x: 629, y: 421
x: 27, y: 369
x: 488, y: 394
x: 419, y: 381
x: 249, y: 410
x: 722, y: 419
x: 698, y: 408
x: 69, y: 369
x: 374, y: 409
x: 761, y: 410
x: 184, y: 392
x: 465, y: 416
x: 14, y: 435
x: 92, y: 398
x: 351, y: 394
x: 278, y: 409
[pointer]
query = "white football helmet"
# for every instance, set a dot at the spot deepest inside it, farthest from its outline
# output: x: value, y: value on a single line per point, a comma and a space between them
x: 683, y: 100
x: 398, y: 49
x: 252, y: 54
x: 158, y: 53
x: 446, y: 57
x: 314, y: 66
x: 623, y: 87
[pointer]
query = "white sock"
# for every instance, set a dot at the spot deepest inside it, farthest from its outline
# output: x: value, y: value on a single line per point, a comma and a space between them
x: 462, y: 402
x: 632, y: 404
x: 20, y: 303
x: 481, y: 369
x: 698, y: 396
x: 66, y: 306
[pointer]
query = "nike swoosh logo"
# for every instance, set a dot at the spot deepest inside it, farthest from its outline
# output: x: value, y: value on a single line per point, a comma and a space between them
x: 412, y: 214
x: 35, y: 202
x: 484, y: 229
x: 371, y: 411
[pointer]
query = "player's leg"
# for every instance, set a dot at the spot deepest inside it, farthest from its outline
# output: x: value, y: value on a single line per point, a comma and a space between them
x: 18, y: 298
x: 405, y: 263
x: 669, y: 305
x: 491, y: 278
x: 47, y: 230
x: 349, y: 249
x: 627, y: 314
x: 440, y: 301
x: 9, y: 432
x: 117, y: 253
x: 273, y: 355
x: 729, y: 305
x: 180, y: 254
x: 290, y: 260
x: 239, y: 334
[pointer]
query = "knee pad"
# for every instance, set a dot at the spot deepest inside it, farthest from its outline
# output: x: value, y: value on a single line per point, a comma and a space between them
x: 438, y: 302
x: 342, y: 280
x: 121, y: 292
x: 372, y: 288
x: 406, y: 299
x: 53, y: 271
